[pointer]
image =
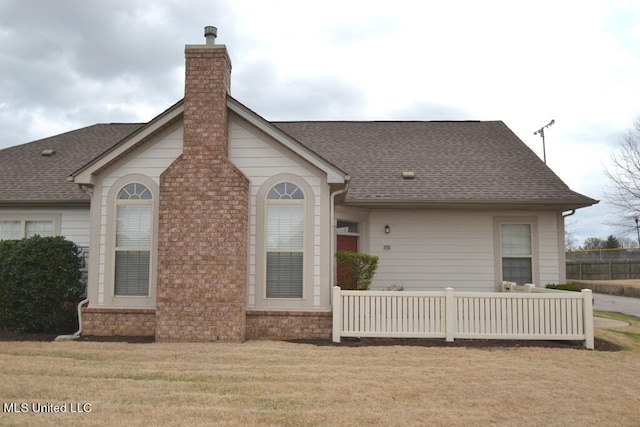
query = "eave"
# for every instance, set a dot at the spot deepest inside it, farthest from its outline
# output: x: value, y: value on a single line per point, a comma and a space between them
x: 78, y: 203
x: 548, y: 205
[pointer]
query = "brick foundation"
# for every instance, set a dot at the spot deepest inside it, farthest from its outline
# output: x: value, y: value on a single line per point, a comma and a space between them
x: 272, y: 325
x: 287, y: 325
x: 118, y: 321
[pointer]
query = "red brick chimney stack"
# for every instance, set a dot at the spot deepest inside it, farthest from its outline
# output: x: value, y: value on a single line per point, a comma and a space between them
x: 206, y: 86
x: 203, y: 214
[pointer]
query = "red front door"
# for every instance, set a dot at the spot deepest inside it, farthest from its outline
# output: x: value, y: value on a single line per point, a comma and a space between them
x: 345, y: 243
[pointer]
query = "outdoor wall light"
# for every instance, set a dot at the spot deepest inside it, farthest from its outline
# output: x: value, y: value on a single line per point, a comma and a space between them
x: 387, y: 229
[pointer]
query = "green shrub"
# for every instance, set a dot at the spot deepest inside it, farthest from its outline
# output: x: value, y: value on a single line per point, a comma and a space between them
x: 355, y: 270
x: 564, y: 287
x: 39, y: 284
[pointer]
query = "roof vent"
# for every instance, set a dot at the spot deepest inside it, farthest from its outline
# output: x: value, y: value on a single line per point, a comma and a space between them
x: 210, y: 33
x: 47, y: 153
x: 408, y: 175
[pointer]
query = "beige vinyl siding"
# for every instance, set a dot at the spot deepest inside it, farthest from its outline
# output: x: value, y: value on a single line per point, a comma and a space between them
x: 150, y: 160
x: 260, y: 159
x: 435, y: 249
x: 75, y: 225
x: 549, y: 250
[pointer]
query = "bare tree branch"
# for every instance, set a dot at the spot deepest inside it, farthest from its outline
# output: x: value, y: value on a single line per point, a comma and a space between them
x: 624, y: 176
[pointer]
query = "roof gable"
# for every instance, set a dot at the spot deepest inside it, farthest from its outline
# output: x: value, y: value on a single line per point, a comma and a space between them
x: 85, y: 175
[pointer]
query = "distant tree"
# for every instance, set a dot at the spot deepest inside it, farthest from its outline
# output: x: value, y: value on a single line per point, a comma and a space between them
x: 592, y: 243
x: 570, y: 241
x: 624, y: 175
x: 612, y: 242
x: 627, y: 242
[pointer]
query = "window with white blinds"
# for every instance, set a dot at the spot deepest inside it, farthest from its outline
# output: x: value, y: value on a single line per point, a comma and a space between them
x: 19, y: 229
x: 285, y: 225
x: 40, y: 228
x: 10, y: 230
x: 516, y: 253
x: 134, y: 222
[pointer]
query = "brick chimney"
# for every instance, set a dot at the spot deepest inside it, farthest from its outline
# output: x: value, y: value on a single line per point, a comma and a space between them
x: 203, y: 214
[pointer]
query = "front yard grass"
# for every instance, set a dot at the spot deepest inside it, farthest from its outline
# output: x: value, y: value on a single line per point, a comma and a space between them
x: 280, y: 383
x: 627, y: 337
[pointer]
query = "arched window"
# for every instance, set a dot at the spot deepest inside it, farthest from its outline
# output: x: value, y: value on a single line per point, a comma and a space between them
x: 284, y: 238
x: 134, y: 206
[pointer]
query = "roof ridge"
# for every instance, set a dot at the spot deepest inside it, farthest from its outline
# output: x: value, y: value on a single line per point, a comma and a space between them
x: 385, y: 121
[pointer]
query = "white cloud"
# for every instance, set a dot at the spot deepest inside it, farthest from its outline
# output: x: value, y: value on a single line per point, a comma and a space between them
x: 525, y: 63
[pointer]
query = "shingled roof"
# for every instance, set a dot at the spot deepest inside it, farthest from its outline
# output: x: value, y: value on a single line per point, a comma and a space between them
x: 26, y: 176
x: 454, y: 163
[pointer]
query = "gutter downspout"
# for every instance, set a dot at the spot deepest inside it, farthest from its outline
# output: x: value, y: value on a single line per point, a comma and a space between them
x: 76, y: 335
x: 332, y: 229
x: 573, y: 211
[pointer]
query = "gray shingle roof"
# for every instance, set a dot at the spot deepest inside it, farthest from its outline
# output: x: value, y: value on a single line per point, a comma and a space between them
x: 454, y: 162
x: 27, y: 176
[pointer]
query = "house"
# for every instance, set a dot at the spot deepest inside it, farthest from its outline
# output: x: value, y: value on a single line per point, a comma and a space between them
x: 211, y: 223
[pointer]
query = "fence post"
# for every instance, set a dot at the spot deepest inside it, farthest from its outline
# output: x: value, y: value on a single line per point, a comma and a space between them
x: 580, y: 274
x: 588, y: 318
x: 450, y: 313
x: 337, y: 314
x: 528, y: 286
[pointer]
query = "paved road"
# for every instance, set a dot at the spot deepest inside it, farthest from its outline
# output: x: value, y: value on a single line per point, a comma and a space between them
x: 624, y: 305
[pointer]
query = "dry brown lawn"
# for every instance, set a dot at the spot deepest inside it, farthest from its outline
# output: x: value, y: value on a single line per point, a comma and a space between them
x: 279, y: 383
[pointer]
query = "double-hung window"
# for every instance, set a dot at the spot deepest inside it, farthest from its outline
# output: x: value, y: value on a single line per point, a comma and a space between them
x: 517, y: 253
x: 18, y: 229
x: 285, y: 225
x: 134, y: 222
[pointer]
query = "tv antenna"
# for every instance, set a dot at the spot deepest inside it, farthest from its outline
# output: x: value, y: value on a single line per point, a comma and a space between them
x: 541, y: 133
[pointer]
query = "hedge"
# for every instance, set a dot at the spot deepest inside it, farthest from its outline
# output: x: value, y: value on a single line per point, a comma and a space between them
x: 40, y: 284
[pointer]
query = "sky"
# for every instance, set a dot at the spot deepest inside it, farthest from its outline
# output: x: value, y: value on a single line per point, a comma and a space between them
x: 68, y: 64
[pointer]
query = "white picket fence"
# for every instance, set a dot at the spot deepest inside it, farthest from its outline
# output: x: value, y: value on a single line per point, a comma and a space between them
x: 531, y: 315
